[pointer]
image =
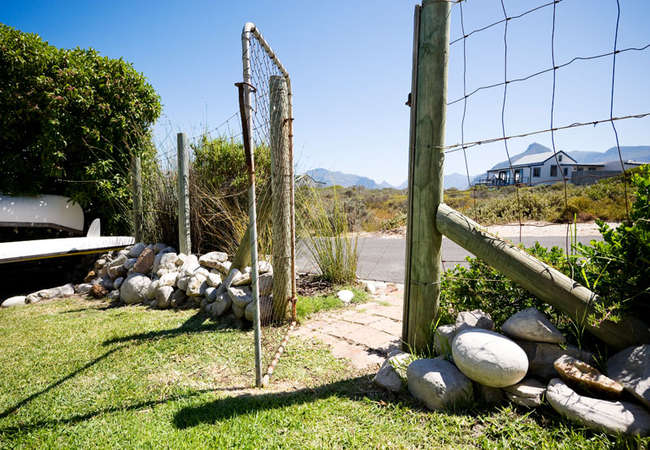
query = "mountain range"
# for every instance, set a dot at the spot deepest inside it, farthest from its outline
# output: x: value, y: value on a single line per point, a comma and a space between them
x: 459, y: 181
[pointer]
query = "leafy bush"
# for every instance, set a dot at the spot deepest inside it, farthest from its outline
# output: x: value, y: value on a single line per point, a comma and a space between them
x: 480, y: 286
x: 70, y: 121
x: 619, y: 266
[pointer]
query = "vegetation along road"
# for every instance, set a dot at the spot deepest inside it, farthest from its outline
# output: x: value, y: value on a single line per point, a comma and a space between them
x: 382, y: 258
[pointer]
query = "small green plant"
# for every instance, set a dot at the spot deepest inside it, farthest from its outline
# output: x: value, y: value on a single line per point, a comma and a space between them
x: 307, y: 306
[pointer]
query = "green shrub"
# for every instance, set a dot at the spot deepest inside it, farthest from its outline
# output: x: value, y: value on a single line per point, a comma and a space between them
x: 619, y: 266
x: 70, y: 121
x: 480, y: 286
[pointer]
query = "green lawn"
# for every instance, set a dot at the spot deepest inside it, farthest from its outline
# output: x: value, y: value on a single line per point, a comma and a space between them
x: 77, y: 374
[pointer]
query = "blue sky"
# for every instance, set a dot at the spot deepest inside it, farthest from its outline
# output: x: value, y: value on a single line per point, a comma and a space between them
x: 350, y: 63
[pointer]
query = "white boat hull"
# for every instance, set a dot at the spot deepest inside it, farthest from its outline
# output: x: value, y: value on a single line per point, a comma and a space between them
x: 52, y: 211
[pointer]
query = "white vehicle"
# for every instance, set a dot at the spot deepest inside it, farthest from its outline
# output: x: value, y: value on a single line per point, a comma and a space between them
x: 52, y: 211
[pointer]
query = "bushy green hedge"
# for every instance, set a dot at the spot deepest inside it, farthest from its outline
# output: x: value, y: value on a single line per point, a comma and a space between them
x: 69, y: 122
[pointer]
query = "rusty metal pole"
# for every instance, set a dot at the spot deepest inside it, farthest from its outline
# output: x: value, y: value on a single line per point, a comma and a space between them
x: 244, y: 108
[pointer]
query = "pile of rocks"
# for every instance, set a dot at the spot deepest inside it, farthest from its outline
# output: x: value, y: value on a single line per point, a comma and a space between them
x: 44, y: 294
x: 527, y: 365
x: 157, y: 276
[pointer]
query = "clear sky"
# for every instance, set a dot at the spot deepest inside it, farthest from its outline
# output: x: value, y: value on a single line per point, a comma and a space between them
x: 350, y: 63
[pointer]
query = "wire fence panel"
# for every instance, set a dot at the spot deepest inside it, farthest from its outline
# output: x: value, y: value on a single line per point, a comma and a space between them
x: 558, y: 85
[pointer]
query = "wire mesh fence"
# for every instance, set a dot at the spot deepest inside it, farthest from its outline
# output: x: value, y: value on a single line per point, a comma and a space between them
x: 546, y: 72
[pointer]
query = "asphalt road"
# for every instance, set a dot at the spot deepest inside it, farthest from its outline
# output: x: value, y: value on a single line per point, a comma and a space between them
x: 383, y: 258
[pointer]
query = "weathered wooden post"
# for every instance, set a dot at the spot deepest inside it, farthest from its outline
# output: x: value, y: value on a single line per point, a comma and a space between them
x: 281, y: 204
x: 426, y: 156
x: 184, y: 242
x: 136, y: 183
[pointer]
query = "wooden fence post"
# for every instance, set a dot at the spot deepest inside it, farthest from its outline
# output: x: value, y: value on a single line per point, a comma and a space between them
x: 136, y: 183
x: 424, y: 262
x: 184, y: 242
x: 281, y: 203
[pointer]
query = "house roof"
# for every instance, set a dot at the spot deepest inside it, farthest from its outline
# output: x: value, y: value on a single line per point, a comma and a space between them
x: 536, y: 159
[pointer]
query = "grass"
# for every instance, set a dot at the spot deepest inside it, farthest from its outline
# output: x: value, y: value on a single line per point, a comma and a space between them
x: 307, y: 306
x: 77, y: 374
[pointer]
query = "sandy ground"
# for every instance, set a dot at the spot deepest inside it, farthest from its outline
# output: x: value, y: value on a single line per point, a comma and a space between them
x: 528, y: 229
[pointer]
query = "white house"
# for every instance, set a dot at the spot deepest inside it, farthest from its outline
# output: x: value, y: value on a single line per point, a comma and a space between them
x: 538, y: 168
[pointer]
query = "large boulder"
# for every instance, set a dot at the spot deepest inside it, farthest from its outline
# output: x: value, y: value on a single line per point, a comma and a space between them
x: 541, y: 357
x: 213, y: 259
x: 532, y: 325
x: 168, y: 279
x: 582, y: 375
x: 438, y: 384
x: 144, y: 263
x: 220, y: 306
x: 116, y: 268
x: 528, y: 392
x: 631, y: 368
x: 601, y: 415
x: 213, y: 279
x: 135, y: 288
x: 489, y: 358
x: 18, y: 300
x: 392, y: 374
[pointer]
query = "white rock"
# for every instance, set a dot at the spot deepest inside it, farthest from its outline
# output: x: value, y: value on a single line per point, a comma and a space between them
x: 223, y: 267
x: 196, y: 286
x: 475, y: 318
x: 45, y: 294
x: 602, y: 415
x: 151, y: 292
x: 83, y: 288
x: 264, y: 267
x: 241, y: 278
x: 528, y: 392
x: 114, y: 295
x: 163, y: 296
x: 631, y: 368
x: 164, y: 261
x: 135, y: 251
x: 134, y: 289
x: 438, y: 384
x: 182, y: 281
x: 118, y: 282
x: 532, y: 325
x: 190, y: 264
x: 213, y: 279
x: 168, y: 279
x: 18, y: 300
x: 372, y: 287
x: 345, y: 296
x: 240, y: 296
x: 488, y: 357
x: 212, y: 259
x: 392, y: 374
x: 442, y: 338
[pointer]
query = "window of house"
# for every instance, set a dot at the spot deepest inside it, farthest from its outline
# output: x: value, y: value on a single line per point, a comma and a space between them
x: 566, y: 171
x: 554, y: 171
x: 536, y: 172
x: 559, y: 158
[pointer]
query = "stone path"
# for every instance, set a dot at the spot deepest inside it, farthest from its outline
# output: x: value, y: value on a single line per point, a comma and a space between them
x: 363, y: 333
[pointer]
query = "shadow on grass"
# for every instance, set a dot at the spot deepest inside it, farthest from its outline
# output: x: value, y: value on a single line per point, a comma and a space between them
x: 57, y: 383
x: 28, y: 427
x: 230, y: 407
x: 195, y: 324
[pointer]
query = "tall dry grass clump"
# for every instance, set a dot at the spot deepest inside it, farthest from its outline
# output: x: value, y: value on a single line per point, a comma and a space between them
x: 323, y: 227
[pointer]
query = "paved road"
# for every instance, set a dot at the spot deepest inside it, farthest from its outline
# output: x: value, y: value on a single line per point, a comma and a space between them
x: 383, y: 258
